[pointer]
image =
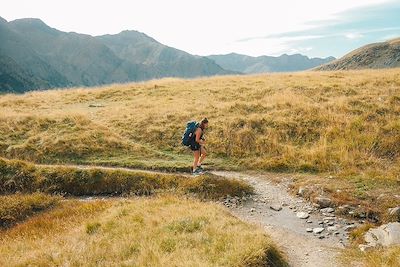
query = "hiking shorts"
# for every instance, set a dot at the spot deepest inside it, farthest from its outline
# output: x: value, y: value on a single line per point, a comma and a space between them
x: 194, y: 146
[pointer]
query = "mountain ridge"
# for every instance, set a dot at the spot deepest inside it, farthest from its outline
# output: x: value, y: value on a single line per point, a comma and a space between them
x: 35, y: 56
x: 371, y: 56
x: 260, y: 64
x: 74, y: 59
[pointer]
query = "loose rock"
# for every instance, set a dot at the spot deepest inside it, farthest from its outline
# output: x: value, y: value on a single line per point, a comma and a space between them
x: 302, y: 215
x: 332, y: 228
x: 323, y: 202
x: 318, y: 230
x: 327, y: 210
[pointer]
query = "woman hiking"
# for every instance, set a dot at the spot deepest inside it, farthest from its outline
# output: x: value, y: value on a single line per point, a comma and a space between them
x: 197, y: 146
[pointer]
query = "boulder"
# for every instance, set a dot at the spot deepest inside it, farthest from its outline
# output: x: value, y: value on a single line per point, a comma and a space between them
x: 323, y: 202
x: 384, y: 235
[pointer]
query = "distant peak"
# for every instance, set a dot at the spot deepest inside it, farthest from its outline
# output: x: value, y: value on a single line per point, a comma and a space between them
x: 129, y: 33
x: 33, y: 21
x: 2, y: 20
x: 32, y: 24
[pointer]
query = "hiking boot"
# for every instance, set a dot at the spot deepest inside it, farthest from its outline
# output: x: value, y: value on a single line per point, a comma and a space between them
x: 196, y: 171
x: 199, y: 170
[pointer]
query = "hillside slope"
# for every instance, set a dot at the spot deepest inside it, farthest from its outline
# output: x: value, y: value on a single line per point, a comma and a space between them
x: 81, y: 58
x: 372, y: 56
x: 36, y: 56
x: 283, y: 63
x: 138, y: 48
x: 21, y: 67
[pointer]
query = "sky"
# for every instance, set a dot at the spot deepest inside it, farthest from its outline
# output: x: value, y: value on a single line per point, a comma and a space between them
x: 315, y: 28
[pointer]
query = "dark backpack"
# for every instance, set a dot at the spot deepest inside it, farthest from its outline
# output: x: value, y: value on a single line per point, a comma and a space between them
x: 188, y: 135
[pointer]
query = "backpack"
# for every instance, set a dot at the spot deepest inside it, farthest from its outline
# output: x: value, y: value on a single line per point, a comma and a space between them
x: 188, y: 135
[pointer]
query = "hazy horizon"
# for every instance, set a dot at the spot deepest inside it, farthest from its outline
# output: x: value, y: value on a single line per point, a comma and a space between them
x: 312, y: 28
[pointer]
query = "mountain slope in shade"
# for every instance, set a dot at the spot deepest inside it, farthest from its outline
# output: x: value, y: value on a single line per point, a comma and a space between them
x: 283, y: 63
x: 36, y: 56
x: 81, y: 58
x: 372, y: 56
x: 138, y: 48
x: 21, y: 67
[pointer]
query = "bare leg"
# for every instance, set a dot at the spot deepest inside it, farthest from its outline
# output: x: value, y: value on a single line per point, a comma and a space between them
x: 203, y: 154
x: 196, y: 155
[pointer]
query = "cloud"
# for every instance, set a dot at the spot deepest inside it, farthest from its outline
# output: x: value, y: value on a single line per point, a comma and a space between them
x: 355, y: 35
x: 341, y: 33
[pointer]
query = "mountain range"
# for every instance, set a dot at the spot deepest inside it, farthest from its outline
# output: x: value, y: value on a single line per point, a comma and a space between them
x: 35, y: 56
x: 283, y: 63
x: 372, y: 56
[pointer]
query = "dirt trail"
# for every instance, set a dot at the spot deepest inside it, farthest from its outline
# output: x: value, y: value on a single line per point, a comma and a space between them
x: 285, y: 228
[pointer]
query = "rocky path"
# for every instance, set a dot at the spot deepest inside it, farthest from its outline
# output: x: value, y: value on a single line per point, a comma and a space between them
x: 308, y: 235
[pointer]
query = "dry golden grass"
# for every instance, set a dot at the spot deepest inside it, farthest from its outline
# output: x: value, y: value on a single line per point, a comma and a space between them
x: 17, y: 207
x: 344, y: 123
x: 20, y: 176
x: 311, y: 121
x: 388, y: 257
x: 162, y: 231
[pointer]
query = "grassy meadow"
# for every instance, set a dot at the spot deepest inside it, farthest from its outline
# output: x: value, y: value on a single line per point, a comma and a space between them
x: 344, y: 125
x: 333, y: 132
x: 161, y: 231
x: 337, y: 122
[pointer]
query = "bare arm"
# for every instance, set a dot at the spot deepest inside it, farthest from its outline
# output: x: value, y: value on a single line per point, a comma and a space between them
x: 198, y: 135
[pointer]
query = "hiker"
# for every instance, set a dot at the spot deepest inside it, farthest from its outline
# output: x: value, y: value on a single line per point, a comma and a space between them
x: 198, y: 148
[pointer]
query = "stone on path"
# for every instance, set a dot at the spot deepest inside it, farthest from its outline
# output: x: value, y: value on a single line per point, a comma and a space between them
x: 302, y: 215
x: 332, y: 228
x: 318, y: 230
x: 327, y: 210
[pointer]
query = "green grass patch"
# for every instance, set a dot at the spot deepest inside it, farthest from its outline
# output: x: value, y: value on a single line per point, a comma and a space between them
x: 19, y: 176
